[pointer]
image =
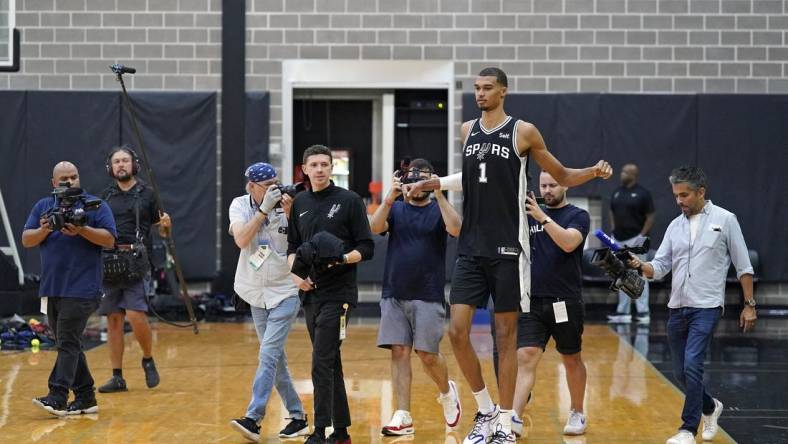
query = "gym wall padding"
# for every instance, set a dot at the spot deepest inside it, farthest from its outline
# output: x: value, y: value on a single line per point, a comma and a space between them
x: 739, y: 140
x: 179, y: 130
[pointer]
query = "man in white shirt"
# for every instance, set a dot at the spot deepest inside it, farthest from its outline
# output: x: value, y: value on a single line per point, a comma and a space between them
x: 258, y: 224
x: 698, y: 248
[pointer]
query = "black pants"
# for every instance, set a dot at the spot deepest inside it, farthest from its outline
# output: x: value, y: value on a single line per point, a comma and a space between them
x: 322, y: 322
x: 68, y: 318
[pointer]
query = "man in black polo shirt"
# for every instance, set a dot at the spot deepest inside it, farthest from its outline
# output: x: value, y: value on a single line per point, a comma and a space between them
x: 328, y: 293
x: 631, y: 218
x: 557, y: 233
x: 126, y: 197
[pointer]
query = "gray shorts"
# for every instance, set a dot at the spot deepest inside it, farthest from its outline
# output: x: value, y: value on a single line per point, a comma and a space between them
x: 417, y: 324
x: 120, y: 299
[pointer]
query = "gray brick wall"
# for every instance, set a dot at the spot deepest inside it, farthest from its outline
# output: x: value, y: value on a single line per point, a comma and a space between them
x: 547, y: 45
x: 68, y: 44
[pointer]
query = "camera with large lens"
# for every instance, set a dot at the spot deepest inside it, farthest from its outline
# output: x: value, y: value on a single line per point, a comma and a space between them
x: 66, y: 210
x: 613, y: 262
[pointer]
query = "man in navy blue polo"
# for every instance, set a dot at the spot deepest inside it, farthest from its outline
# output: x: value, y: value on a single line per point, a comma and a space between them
x: 71, y: 285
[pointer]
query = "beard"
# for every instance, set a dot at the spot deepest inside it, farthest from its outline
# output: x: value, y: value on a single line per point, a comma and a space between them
x: 552, y: 201
x: 123, y: 176
x: 421, y: 197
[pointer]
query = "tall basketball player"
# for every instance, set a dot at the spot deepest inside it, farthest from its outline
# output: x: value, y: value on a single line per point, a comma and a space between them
x: 494, y: 252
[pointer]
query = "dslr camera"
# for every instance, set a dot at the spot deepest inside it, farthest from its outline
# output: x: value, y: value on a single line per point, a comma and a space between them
x: 407, y: 175
x: 291, y: 190
x: 65, y: 210
x: 613, y: 261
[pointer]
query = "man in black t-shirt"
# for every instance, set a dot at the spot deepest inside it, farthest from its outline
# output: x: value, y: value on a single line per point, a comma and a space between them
x: 126, y: 197
x: 328, y: 293
x: 631, y: 218
x: 413, y: 305
x: 557, y: 232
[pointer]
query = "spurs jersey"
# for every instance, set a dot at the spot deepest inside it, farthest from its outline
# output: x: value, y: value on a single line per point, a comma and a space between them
x: 494, y: 185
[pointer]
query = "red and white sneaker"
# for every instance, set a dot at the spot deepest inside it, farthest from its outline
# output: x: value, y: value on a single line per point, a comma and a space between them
x: 452, y: 410
x: 401, y: 424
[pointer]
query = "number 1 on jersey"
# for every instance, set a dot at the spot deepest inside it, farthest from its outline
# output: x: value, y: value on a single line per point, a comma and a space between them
x: 483, y: 172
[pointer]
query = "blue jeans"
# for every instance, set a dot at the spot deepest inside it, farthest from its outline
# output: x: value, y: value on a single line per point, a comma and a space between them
x: 689, y: 333
x: 273, y: 327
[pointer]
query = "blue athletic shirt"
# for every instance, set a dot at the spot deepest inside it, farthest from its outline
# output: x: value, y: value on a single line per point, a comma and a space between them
x: 71, y: 265
x: 416, y: 256
x: 555, y: 273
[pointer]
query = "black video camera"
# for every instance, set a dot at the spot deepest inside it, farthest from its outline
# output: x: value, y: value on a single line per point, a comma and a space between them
x: 64, y: 211
x: 613, y: 262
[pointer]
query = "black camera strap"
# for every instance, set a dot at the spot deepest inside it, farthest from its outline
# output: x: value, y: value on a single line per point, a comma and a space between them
x: 136, y: 193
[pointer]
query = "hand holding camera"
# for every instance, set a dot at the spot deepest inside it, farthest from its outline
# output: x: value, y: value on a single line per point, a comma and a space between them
x: 395, y: 191
x: 271, y: 199
x: 533, y: 208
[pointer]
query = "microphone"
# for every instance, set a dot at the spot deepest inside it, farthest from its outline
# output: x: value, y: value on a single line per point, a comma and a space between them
x: 607, y: 240
x: 117, y: 68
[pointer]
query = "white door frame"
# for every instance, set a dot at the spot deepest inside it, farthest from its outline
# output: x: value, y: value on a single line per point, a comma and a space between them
x: 364, y: 75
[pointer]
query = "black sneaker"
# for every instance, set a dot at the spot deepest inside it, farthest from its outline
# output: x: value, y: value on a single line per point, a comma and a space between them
x: 296, y: 427
x: 114, y: 384
x: 315, y: 439
x: 247, y: 427
x: 81, y: 407
x: 151, y: 374
x: 50, y: 405
x: 336, y: 439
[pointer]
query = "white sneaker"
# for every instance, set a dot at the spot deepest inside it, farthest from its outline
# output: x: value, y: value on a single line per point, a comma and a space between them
x: 710, y: 426
x: 517, y: 425
x: 501, y: 437
x: 682, y: 437
x: 483, y: 427
x: 401, y: 424
x: 619, y: 319
x: 575, y: 424
x: 643, y: 319
x: 452, y: 410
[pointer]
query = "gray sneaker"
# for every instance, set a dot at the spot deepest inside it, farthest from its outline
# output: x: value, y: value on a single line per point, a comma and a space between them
x: 151, y: 374
x: 114, y: 384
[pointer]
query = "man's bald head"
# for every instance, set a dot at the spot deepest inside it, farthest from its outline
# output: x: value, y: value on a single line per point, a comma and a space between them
x: 629, y: 174
x: 65, y: 172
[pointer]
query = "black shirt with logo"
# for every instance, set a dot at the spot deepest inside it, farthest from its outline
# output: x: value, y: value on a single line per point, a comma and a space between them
x: 630, y: 207
x: 343, y: 214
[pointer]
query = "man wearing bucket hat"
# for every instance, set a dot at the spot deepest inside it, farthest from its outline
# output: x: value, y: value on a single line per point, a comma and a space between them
x: 258, y: 224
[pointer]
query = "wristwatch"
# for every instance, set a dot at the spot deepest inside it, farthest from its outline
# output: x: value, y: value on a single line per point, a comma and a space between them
x: 750, y: 302
x: 546, y: 221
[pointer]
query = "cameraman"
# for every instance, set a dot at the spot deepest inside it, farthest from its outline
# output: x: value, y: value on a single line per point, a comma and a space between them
x: 262, y: 279
x: 698, y: 248
x: 412, y: 307
x: 557, y: 232
x: 328, y: 293
x: 71, y: 285
x: 134, y: 206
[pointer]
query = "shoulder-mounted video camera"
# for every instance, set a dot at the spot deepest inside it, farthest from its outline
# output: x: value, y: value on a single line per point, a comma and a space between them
x: 65, y: 210
x: 613, y: 261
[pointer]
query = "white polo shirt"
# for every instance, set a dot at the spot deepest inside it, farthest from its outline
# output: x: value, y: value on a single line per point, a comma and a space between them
x: 269, y: 285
